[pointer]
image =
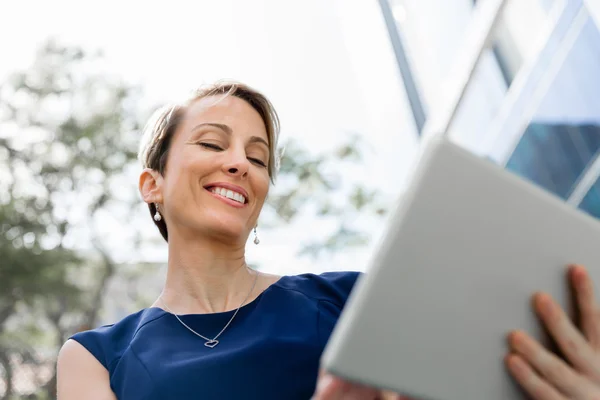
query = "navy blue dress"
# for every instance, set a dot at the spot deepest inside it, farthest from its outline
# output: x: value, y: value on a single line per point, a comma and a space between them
x: 271, y: 350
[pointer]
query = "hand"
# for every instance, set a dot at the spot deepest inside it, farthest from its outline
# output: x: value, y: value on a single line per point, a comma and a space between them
x: 543, y: 375
x: 330, y: 387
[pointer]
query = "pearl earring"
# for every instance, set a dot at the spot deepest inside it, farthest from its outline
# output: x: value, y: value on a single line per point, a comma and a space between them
x: 256, y: 240
x: 157, y: 216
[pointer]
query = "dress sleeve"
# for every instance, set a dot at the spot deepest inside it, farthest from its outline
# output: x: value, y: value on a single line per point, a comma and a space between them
x: 94, y: 341
x: 336, y: 288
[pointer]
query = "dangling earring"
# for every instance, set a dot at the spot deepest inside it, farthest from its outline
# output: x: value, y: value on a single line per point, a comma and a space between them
x: 256, y: 240
x: 157, y: 216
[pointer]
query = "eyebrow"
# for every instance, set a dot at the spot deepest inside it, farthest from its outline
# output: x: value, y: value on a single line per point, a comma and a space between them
x: 227, y: 129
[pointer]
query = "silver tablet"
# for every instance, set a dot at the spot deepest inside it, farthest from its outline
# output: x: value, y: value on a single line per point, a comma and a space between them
x: 463, y: 253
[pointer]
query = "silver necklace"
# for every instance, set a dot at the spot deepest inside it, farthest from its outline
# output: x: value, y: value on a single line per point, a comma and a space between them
x: 212, y: 342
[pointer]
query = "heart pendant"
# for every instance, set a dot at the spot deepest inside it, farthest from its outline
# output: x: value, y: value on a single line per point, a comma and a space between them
x: 211, y: 343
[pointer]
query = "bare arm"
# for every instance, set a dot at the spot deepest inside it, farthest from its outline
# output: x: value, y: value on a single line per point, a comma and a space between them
x: 80, y: 375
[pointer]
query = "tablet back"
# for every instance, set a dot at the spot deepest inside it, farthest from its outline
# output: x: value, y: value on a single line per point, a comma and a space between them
x: 463, y: 253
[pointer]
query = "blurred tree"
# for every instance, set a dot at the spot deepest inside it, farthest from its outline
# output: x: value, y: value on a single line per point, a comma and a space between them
x: 68, y: 140
x: 315, y: 184
x: 67, y: 135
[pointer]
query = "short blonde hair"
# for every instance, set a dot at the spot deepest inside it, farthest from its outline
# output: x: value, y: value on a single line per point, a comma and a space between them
x: 158, y: 133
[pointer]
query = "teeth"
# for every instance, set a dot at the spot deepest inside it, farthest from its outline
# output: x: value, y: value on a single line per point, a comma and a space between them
x: 230, y: 194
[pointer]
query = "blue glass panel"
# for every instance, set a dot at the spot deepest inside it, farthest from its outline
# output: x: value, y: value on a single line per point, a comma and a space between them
x: 591, y: 202
x: 564, y: 134
x: 554, y: 155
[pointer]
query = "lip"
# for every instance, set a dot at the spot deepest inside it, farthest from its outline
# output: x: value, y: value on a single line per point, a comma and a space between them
x: 229, y: 186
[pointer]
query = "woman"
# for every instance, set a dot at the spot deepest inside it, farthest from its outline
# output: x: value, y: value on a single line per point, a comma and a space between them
x: 220, y: 330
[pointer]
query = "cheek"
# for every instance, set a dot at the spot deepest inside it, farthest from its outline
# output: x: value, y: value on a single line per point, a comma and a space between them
x: 262, y: 187
x: 179, y: 182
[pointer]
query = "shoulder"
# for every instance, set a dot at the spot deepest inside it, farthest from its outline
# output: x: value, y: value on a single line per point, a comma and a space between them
x: 107, y: 343
x: 329, y: 291
x: 333, y: 287
x: 86, y: 360
x: 80, y: 375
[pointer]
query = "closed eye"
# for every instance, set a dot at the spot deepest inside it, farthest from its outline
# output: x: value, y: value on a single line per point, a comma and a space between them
x: 210, y: 146
x: 258, y: 162
x: 215, y: 147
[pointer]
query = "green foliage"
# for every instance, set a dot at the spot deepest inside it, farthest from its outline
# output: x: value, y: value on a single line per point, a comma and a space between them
x: 313, y: 185
x: 66, y: 136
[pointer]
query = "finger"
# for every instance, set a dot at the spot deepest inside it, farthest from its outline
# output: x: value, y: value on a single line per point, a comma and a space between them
x: 359, y: 392
x: 586, y: 302
x: 552, y: 369
x: 387, y: 395
x: 529, y: 380
x: 569, y: 339
x: 329, y: 388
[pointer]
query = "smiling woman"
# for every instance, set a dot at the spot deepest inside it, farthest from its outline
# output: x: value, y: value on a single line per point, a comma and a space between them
x: 220, y: 104
x: 208, y: 163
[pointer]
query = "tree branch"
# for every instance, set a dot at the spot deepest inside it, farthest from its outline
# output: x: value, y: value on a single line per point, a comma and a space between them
x: 8, y: 370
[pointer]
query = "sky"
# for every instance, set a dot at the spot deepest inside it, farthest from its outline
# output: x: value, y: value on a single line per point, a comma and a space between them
x: 327, y: 66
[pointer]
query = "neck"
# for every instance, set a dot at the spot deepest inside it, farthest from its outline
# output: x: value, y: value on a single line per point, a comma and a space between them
x: 205, y: 276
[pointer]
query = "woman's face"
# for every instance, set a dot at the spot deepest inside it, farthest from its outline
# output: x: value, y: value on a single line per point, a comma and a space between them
x: 216, y: 178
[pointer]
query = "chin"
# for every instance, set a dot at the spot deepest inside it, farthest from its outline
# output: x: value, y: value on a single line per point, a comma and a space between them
x: 229, y: 235
x: 229, y: 228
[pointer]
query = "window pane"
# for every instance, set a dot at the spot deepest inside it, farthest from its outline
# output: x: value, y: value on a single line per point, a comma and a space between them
x: 564, y: 133
x: 554, y: 155
x: 519, y: 34
x: 591, y: 202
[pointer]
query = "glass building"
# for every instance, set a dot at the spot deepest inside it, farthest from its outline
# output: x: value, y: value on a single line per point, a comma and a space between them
x: 515, y: 81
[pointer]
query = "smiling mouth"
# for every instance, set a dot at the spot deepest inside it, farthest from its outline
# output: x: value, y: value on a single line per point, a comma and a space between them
x: 228, y: 194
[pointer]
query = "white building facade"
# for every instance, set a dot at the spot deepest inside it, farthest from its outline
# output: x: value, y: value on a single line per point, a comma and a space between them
x: 515, y: 81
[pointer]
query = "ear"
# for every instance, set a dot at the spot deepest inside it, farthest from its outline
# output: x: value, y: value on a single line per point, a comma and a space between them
x: 150, y: 186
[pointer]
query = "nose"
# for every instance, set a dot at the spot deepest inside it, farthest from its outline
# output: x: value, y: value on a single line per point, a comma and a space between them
x: 236, y: 164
